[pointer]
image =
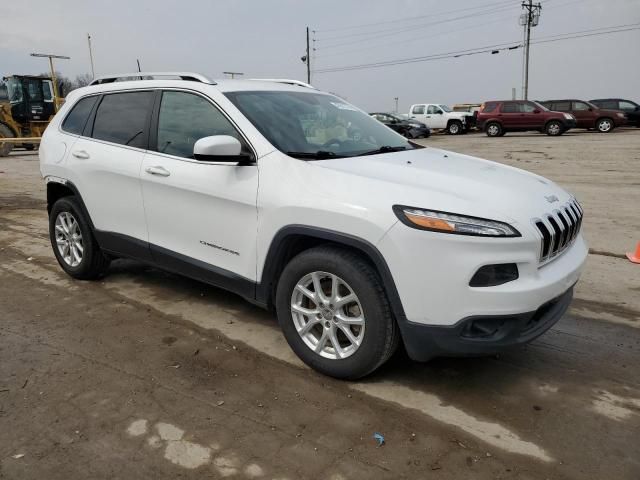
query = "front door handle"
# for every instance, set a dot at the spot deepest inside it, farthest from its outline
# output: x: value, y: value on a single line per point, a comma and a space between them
x: 81, y: 154
x: 160, y: 171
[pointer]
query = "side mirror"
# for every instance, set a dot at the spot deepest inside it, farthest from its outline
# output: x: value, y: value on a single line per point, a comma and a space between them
x: 590, y: 109
x: 536, y: 111
x: 219, y: 148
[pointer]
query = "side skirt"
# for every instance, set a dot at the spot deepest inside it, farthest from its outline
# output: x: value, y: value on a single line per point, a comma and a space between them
x: 125, y: 246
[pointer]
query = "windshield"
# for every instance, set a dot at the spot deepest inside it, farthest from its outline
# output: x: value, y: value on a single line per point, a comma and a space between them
x: 315, y: 125
x: 445, y: 108
x: 15, y: 90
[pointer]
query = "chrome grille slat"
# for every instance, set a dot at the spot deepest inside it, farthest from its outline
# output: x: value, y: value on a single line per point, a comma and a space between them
x: 558, y: 229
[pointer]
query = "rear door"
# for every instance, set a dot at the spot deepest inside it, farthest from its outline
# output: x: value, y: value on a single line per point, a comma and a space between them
x: 201, y: 215
x: 419, y: 112
x: 106, y: 161
x: 585, y: 116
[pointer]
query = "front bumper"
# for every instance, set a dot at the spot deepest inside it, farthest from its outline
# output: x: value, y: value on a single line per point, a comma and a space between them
x: 569, y: 124
x: 482, y: 335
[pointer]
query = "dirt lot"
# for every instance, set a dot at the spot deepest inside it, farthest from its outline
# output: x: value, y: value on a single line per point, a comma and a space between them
x: 148, y: 375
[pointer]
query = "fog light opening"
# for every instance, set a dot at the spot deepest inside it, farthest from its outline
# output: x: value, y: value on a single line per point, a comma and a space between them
x: 494, y: 275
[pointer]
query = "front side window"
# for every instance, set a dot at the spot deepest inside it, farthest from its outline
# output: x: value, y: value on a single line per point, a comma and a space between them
x: 122, y: 118
x: 627, y: 106
x: 445, y: 108
x: 314, y: 125
x: 432, y: 110
x: 418, y: 109
x: 611, y: 104
x: 77, y: 118
x: 528, y: 107
x: 47, y: 89
x: 186, y: 118
x: 580, y: 106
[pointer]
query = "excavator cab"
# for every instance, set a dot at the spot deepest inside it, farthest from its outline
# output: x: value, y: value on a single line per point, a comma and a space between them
x: 30, y: 97
x: 27, y: 104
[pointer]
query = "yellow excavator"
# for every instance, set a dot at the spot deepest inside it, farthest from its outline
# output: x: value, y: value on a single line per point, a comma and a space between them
x: 27, y: 105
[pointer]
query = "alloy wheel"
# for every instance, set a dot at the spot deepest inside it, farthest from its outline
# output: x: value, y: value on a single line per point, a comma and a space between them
x: 604, y: 125
x: 69, y: 239
x: 493, y: 130
x: 554, y: 129
x: 327, y: 315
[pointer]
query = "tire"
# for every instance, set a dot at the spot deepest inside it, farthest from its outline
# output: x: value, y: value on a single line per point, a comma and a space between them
x: 378, y: 332
x: 93, y: 263
x: 455, y: 127
x: 604, y: 125
x: 5, y: 148
x: 554, y: 128
x: 494, y: 129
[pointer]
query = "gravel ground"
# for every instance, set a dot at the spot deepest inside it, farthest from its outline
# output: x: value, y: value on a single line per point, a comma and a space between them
x: 149, y: 375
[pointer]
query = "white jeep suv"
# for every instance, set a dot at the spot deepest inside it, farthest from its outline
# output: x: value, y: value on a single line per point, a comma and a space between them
x: 301, y: 202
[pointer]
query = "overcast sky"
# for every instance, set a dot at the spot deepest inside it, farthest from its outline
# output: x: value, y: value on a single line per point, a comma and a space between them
x: 266, y: 38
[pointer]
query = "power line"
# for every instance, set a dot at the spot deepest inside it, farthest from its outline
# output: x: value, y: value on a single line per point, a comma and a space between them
x: 403, y: 30
x: 415, y: 17
x: 485, y: 49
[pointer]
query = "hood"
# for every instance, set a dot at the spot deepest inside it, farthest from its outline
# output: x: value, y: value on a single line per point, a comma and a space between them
x: 451, y: 182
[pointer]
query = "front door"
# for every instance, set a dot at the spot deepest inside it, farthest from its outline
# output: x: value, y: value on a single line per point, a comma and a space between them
x: 201, y: 215
x: 585, y: 117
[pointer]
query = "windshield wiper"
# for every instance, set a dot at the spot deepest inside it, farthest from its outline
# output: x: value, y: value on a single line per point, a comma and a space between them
x: 319, y: 155
x: 383, y: 149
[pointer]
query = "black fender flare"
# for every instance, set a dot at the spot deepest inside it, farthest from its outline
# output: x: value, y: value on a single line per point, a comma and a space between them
x: 277, y: 251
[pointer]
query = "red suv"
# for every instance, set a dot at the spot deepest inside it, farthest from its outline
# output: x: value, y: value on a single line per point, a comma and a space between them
x: 499, y: 117
x: 588, y: 115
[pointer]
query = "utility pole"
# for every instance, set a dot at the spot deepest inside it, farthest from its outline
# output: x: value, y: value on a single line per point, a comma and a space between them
x: 396, y: 99
x: 93, y: 73
x: 233, y: 74
x: 308, y: 59
x: 56, y: 97
x: 529, y: 19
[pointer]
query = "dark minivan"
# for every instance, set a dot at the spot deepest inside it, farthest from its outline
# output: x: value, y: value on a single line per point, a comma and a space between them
x: 501, y: 116
x: 630, y: 108
x: 588, y: 115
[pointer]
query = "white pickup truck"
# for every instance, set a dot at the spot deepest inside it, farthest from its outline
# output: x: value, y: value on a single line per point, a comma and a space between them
x: 439, y: 116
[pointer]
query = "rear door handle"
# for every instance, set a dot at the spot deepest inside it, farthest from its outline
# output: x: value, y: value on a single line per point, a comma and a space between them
x: 81, y: 154
x: 160, y: 171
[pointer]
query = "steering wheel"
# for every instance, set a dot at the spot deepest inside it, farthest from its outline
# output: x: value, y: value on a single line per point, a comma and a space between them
x: 332, y: 141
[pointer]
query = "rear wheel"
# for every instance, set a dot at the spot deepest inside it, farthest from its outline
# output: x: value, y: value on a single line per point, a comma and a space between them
x: 74, y: 245
x: 494, y: 129
x: 554, y: 128
x: 5, y: 147
x: 604, y: 125
x: 454, y: 127
x: 334, y: 312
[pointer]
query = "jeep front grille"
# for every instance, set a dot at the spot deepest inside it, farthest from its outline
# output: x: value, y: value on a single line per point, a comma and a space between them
x: 558, y: 230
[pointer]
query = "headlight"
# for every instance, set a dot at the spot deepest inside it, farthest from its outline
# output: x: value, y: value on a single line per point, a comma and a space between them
x: 568, y: 116
x: 621, y: 115
x: 415, y: 125
x: 444, y: 222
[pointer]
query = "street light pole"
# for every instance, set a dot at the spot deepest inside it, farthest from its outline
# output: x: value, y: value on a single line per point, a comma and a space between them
x: 56, y: 97
x: 396, y: 99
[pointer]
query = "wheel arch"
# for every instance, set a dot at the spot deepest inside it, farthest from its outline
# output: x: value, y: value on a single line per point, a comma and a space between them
x: 291, y: 240
x: 57, y: 189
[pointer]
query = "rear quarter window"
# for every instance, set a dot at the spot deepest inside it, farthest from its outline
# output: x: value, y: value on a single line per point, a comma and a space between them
x: 77, y: 118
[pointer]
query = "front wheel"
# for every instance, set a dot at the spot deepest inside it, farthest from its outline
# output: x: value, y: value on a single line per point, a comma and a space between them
x: 604, y: 125
x: 554, y: 128
x: 454, y: 128
x: 74, y: 245
x: 334, y: 312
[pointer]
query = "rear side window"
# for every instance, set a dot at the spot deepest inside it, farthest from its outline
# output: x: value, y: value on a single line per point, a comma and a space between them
x: 562, y: 106
x: 77, y: 118
x: 510, y: 107
x: 418, y: 109
x: 122, y: 118
x: 489, y: 107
